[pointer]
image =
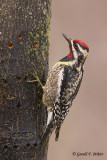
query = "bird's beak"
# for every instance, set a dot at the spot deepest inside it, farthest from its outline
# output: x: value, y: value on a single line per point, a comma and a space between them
x: 67, y: 38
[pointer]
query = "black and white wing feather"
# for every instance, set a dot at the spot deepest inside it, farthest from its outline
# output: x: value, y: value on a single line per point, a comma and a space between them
x: 69, y: 87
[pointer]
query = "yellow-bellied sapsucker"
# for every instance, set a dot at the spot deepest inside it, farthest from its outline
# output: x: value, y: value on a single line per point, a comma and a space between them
x: 63, y: 83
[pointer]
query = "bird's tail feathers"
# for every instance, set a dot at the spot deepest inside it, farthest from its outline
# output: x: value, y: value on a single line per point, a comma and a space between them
x: 58, y: 127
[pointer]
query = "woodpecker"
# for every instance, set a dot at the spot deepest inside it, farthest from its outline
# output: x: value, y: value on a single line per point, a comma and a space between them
x: 63, y: 83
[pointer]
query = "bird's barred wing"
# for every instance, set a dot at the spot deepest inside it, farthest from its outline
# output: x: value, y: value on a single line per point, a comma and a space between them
x: 69, y: 87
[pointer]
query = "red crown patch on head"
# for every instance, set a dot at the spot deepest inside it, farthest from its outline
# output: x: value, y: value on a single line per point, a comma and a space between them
x: 81, y: 43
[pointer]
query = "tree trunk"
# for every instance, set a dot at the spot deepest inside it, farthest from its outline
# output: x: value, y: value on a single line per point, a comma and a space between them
x: 24, y: 45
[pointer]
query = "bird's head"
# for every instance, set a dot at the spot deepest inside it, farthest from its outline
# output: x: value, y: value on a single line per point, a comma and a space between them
x: 78, y: 49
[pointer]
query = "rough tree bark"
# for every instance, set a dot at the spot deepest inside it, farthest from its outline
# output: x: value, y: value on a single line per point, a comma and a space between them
x: 24, y: 47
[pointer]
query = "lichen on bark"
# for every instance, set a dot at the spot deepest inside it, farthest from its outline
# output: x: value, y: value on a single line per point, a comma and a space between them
x: 24, y: 42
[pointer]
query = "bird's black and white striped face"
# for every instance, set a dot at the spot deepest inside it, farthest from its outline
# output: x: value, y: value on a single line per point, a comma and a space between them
x: 78, y: 49
x: 81, y: 49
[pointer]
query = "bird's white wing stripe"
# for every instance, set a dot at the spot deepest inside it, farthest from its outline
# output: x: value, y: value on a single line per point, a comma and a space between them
x: 60, y: 78
x: 50, y: 115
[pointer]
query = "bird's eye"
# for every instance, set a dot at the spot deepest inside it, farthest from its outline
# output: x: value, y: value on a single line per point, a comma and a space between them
x: 76, y: 46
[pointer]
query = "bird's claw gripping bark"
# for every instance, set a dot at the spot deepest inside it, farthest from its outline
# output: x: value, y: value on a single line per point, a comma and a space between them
x: 36, y: 80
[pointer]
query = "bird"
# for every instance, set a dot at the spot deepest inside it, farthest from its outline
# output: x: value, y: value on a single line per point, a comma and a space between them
x: 63, y: 83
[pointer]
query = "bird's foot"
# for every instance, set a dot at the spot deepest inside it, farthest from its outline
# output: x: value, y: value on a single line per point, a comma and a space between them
x: 36, y: 80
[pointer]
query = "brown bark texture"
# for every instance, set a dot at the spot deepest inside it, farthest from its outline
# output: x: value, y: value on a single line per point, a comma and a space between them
x: 24, y: 47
